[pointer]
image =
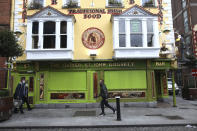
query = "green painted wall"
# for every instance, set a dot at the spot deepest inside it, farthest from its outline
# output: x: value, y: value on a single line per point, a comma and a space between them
x: 68, y: 81
x: 135, y: 79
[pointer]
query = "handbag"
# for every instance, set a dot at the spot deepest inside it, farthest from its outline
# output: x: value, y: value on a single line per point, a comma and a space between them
x: 17, y: 103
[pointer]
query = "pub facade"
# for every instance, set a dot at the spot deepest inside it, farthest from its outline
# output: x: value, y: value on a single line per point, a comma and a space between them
x: 71, y: 44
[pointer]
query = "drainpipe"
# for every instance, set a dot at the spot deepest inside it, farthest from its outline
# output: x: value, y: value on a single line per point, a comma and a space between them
x: 173, y: 87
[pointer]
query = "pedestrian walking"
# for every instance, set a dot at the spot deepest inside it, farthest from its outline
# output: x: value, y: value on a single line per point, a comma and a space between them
x: 25, y: 99
x: 19, y: 95
x: 104, y: 101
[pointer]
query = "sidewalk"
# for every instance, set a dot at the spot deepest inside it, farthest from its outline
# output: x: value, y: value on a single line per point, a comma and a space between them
x: 185, y: 113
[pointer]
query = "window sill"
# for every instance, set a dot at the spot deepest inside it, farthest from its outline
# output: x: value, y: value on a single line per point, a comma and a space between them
x: 136, y: 52
x: 67, y: 7
x: 49, y: 54
x: 114, y: 6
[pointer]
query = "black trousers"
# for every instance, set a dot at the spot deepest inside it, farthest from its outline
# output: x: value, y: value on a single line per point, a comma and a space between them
x: 104, y: 102
x: 25, y: 100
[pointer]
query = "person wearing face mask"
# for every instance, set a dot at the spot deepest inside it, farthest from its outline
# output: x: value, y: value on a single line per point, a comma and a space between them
x: 104, y: 101
x: 20, y: 94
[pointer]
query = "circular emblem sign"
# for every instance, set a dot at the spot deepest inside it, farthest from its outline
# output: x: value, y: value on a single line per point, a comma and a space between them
x: 93, y: 38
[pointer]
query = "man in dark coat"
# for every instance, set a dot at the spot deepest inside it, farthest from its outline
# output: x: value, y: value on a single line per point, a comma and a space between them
x: 25, y: 99
x: 20, y: 94
x: 104, y: 95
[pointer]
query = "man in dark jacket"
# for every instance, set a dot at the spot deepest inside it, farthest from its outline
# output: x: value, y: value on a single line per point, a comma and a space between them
x: 25, y: 99
x: 104, y: 95
x: 20, y: 94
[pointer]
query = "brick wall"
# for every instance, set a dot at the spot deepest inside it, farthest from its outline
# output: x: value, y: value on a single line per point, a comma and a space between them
x: 5, y: 12
x: 3, y: 73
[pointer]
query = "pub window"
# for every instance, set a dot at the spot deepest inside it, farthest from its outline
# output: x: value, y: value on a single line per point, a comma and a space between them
x: 122, y: 33
x: 35, y: 37
x: 148, y: 3
x: 31, y: 84
x: 41, y: 86
x: 49, y: 35
x: 150, y: 33
x: 67, y: 96
x: 53, y: 2
x: 136, y: 33
x: 63, y: 34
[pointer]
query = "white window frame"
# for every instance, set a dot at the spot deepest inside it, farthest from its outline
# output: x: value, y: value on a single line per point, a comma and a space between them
x: 69, y: 31
x: 155, y: 3
x: 65, y: 1
x: 144, y: 32
x: 44, y: 2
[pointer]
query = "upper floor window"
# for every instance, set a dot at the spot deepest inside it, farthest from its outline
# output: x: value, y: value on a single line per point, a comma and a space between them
x: 53, y: 2
x: 35, y: 35
x: 149, y: 3
x: 122, y: 33
x: 116, y: 3
x: 71, y: 3
x: 150, y: 33
x: 135, y: 32
x: 54, y: 34
x: 49, y: 35
x: 35, y: 4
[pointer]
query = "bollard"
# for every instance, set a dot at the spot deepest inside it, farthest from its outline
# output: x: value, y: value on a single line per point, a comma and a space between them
x: 118, y: 108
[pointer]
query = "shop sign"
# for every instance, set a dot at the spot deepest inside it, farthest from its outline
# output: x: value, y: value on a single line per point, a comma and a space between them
x: 194, y: 72
x: 160, y: 63
x: 194, y: 33
x: 95, y: 65
x: 93, y: 38
x: 94, y: 13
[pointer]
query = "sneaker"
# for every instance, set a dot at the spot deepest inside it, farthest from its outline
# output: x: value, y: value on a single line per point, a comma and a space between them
x: 22, y: 112
x: 29, y: 109
x: 102, y: 114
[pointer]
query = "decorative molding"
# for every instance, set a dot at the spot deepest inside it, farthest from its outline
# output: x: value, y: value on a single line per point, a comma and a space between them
x: 48, y: 12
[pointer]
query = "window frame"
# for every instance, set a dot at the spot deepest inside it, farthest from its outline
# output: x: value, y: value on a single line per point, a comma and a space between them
x: 155, y: 4
x: 121, y: 4
x: 136, y: 33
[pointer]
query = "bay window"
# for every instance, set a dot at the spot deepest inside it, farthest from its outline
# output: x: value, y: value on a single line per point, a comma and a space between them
x: 135, y: 32
x: 135, y: 37
x: 50, y: 35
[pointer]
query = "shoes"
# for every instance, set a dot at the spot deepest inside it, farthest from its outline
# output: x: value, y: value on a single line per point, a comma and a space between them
x: 114, y: 111
x: 101, y: 114
x: 22, y: 112
x: 29, y: 109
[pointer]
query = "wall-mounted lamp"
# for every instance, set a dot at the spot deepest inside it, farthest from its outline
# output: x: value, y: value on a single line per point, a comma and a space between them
x: 166, y: 30
x: 92, y: 4
x: 18, y: 33
x: 93, y: 53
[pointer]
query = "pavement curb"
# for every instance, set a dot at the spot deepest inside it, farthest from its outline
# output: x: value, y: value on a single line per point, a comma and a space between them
x: 97, y: 126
